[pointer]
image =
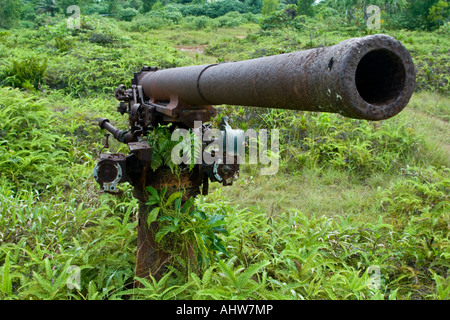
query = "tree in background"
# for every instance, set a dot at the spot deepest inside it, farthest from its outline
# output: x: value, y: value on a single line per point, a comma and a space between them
x: 127, y: 14
x: 64, y: 4
x: 255, y: 5
x: 344, y: 6
x: 355, y: 11
x: 49, y: 6
x: 9, y: 13
x: 113, y: 7
x: 305, y: 7
x: 439, y: 13
x: 393, y: 6
x: 147, y: 5
x: 402, y: 14
x: 269, y: 6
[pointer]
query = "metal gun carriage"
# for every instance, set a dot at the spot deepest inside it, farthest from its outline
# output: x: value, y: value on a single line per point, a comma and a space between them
x: 369, y: 78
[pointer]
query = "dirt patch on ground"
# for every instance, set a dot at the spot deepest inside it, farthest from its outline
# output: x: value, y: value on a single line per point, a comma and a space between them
x: 200, y: 48
x: 197, y: 49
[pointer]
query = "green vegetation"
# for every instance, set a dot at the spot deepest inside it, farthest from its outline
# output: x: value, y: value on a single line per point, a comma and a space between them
x: 353, y: 202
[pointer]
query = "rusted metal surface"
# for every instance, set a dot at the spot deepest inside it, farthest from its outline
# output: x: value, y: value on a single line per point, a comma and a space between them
x: 369, y: 78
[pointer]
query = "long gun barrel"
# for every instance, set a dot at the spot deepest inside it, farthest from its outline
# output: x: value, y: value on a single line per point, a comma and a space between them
x: 369, y: 78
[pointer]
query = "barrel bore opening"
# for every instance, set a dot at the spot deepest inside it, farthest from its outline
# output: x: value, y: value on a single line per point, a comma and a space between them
x: 380, y: 77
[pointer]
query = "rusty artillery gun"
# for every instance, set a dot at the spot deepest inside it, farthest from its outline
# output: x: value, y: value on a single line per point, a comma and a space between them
x: 369, y: 78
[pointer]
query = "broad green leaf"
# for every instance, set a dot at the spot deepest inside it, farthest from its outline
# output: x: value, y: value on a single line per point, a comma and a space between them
x: 216, y: 220
x: 6, y: 280
x: 249, y: 272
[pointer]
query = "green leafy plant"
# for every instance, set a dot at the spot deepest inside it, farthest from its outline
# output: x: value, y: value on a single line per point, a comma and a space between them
x: 182, y: 225
x: 49, y: 6
x: 5, y: 283
x: 27, y: 73
x: 154, y: 289
x: 161, y: 144
x: 160, y: 140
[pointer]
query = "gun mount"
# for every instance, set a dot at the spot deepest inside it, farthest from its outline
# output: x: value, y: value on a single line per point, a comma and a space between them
x: 369, y: 78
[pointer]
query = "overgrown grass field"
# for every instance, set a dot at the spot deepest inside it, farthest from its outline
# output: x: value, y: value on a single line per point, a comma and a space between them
x: 358, y: 209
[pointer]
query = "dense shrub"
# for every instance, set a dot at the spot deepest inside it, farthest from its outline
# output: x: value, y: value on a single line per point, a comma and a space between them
x: 25, y: 73
x: 10, y: 11
x: 155, y: 20
x: 143, y: 24
x: 232, y: 19
x: 34, y: 152
x: 420, y: 15
x: 216, y: 9
x: 283, y: 18
x: 198, y: 22
x: 102, y: 38
x: 96, y: 8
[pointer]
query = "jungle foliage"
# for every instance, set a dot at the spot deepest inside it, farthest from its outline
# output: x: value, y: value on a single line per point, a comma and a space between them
x: 358, y: 209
